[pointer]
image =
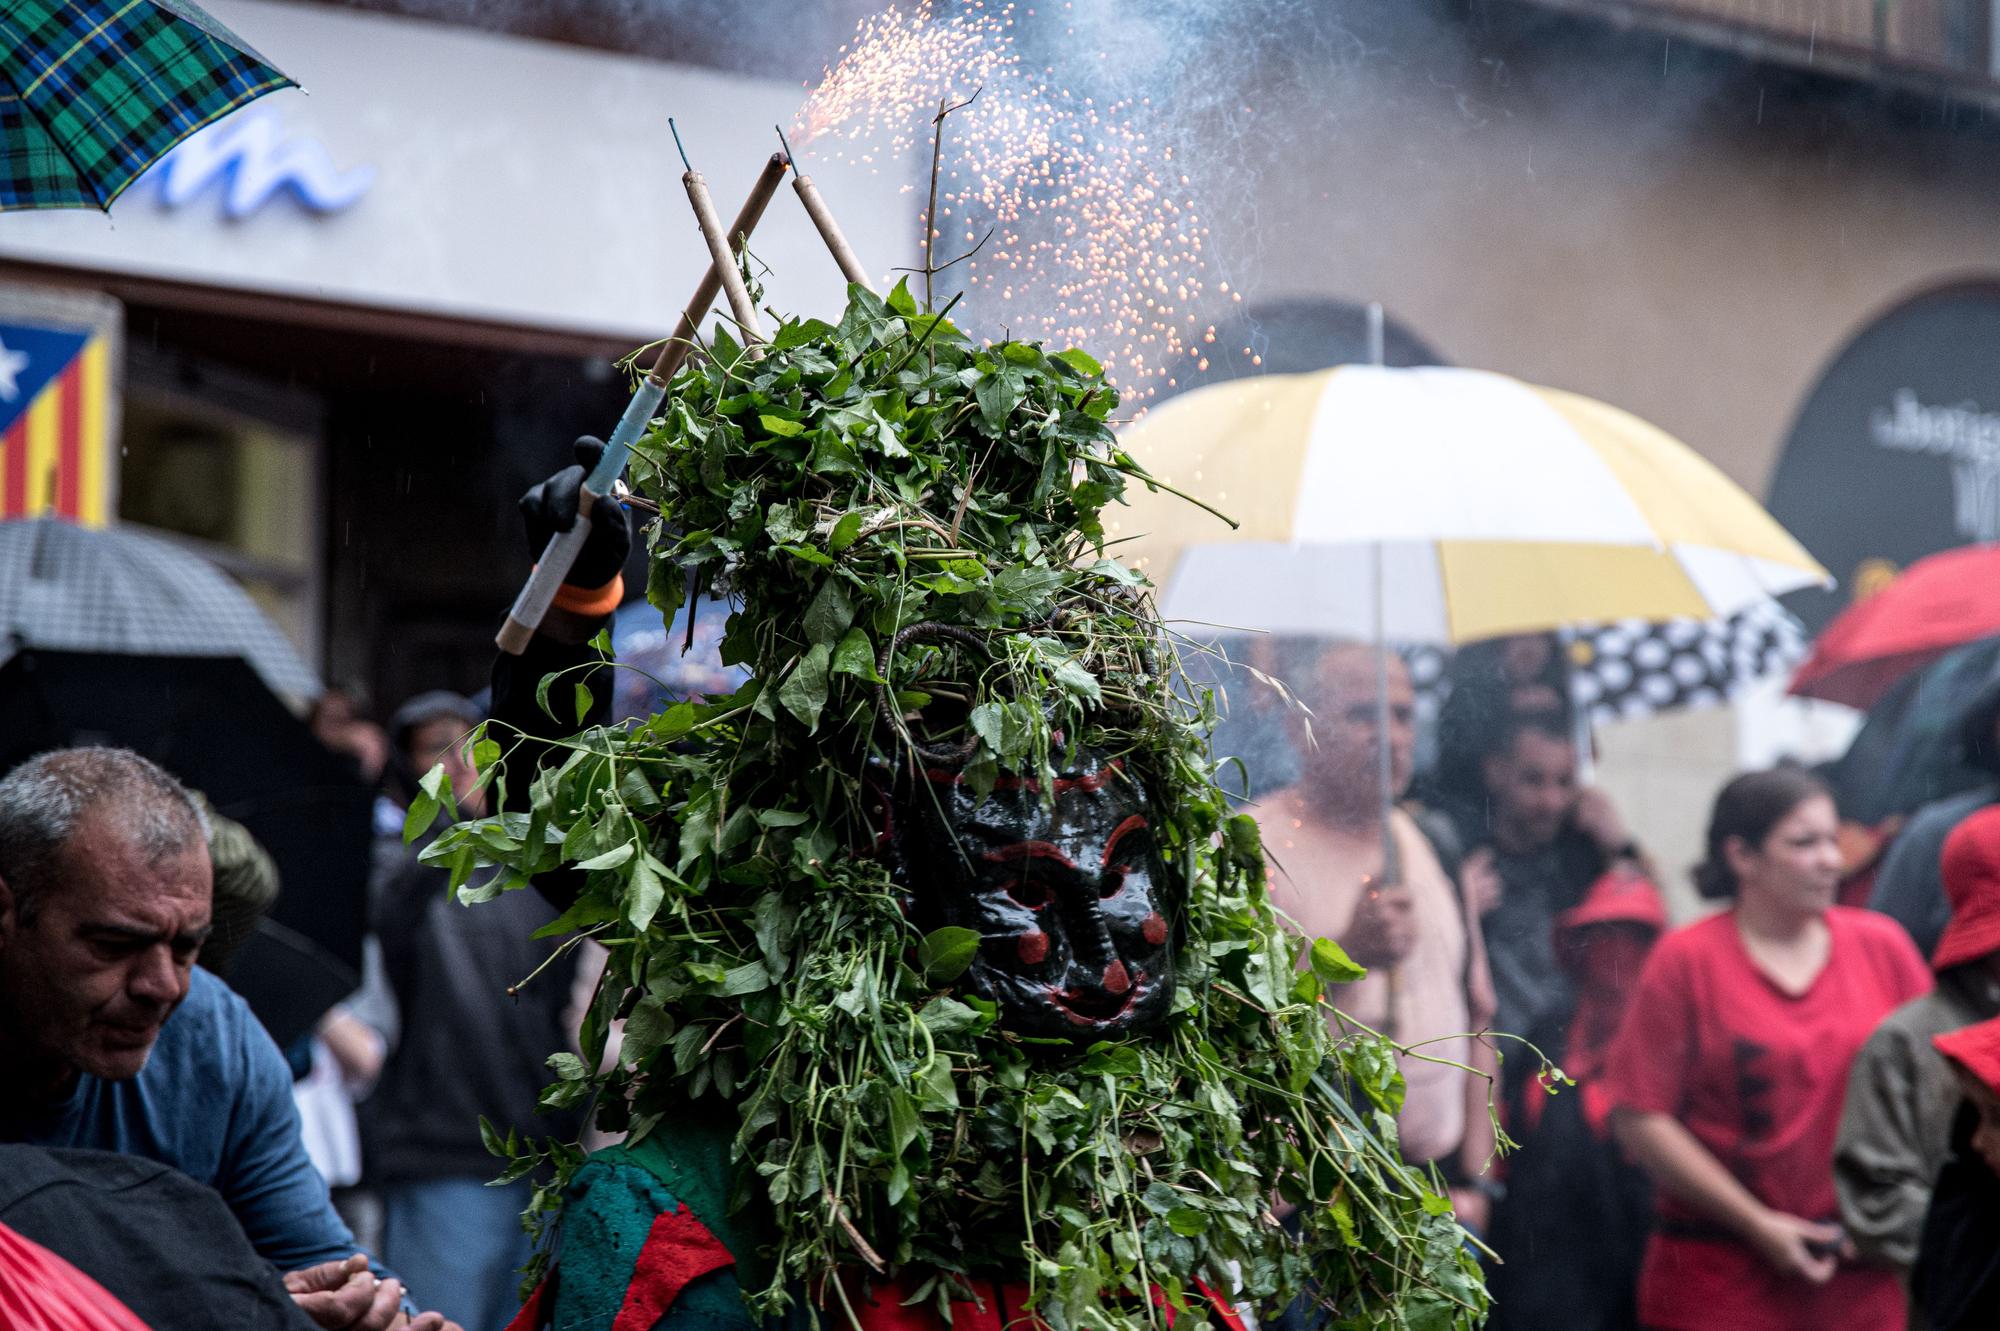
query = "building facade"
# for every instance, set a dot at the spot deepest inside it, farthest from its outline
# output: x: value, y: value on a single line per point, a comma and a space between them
x: 360, y: 320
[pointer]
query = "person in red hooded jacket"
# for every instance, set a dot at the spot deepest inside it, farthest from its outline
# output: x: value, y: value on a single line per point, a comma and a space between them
x: 1895, y: 1129
x: 1572, y: 1227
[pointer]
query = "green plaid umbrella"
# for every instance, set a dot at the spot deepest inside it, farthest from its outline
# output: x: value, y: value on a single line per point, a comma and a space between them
x: 92, y: 92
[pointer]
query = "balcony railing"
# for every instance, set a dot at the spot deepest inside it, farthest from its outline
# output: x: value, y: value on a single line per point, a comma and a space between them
x: 1954, y: 39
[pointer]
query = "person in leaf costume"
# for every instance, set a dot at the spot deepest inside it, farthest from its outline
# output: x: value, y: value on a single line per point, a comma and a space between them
x: 950, y: 993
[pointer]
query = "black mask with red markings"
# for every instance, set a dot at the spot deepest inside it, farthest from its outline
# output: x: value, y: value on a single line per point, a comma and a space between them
x: 1068, y: 894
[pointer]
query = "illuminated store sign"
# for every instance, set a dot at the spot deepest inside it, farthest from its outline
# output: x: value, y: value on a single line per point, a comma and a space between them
x: 1896, y: 452
x: 254, y: 159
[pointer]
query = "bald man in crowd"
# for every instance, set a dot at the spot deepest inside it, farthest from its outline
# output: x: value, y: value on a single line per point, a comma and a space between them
x: 1407, y: 922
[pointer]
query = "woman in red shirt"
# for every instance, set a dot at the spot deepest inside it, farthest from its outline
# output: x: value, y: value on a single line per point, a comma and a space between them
x: 1727, y: 1076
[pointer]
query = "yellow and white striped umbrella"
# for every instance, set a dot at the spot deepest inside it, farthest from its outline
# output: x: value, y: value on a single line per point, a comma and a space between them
x: 1497, y: 507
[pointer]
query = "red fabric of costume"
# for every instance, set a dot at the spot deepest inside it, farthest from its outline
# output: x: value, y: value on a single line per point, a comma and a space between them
x: 678, y: 1250
x: 881, y: 1308
x: 534, y: 1313
x: 998, y: 1308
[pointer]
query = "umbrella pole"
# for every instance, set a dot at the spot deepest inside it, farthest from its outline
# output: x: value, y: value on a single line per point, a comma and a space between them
x: 1392, y: 867
x: 560, y: 554
x: 1384, y: 767
x: 1579, y: 712
x: 1385, y: 773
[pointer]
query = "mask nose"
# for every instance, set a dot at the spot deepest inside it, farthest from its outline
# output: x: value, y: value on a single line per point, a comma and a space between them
x: 1096, y: 955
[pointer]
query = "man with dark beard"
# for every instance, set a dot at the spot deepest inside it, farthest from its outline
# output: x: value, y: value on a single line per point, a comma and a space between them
x: 1550, y: 838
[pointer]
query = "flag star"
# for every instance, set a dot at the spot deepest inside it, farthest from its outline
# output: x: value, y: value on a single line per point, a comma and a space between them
x: 11, y: 365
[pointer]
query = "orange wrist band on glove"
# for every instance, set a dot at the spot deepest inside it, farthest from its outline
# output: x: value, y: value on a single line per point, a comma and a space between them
x: 591, y: 601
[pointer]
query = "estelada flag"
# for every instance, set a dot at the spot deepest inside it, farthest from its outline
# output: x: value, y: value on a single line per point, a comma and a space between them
x: 56, y: 361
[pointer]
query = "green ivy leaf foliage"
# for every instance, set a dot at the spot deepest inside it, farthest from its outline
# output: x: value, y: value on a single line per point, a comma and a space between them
x: 1332, y: 965
x: 840, y: 484
x: 944, y: 954
x: 845, y: 532
x: 417, y: 819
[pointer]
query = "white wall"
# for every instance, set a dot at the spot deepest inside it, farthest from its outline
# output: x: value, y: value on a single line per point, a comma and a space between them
x: 514, y: 180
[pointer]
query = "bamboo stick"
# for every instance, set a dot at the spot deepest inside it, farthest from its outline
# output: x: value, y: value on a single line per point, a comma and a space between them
x: 678, y: 346
x: 723, y: 262
x: 532, y: 603
x: 829, y: 230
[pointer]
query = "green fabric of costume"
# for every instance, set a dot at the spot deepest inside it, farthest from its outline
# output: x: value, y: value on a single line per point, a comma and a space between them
x: 608, y: 1214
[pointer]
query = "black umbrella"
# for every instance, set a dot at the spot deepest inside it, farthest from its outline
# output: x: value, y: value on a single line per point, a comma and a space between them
x: 1909, y: 751
x: 213, y: 723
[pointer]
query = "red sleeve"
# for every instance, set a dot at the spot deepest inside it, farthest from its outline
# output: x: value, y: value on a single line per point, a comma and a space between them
x: 1654, y: 1053
x: 1910, y: 976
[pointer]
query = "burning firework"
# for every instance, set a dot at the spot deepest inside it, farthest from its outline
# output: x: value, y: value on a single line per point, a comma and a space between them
x: 1095, y: 237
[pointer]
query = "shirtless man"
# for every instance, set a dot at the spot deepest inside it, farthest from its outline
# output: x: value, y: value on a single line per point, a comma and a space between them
x: 1427, y: 984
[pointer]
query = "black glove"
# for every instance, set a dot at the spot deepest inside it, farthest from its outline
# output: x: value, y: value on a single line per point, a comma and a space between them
x: 551, y: 507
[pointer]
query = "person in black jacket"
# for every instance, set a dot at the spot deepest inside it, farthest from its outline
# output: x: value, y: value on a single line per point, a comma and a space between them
x: 162, y: 1244
x: 561, y: 646
x: 472, y: 1043
x: 1909, y: 888
x: 1956, y: 1282
x: 1571, y: 1229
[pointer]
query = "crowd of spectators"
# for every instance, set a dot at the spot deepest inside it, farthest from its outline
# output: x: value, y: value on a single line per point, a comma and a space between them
x: 1777, y: 1115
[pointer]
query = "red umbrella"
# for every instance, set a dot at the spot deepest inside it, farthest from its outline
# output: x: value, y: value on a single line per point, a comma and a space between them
x: 1938, y: 603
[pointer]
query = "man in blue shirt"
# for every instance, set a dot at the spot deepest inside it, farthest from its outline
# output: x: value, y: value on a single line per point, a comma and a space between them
x: 113, y: 1040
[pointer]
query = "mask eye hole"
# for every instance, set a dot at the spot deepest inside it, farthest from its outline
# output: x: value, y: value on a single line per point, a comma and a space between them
x: 1030, y: 891
x: 1129, y: 850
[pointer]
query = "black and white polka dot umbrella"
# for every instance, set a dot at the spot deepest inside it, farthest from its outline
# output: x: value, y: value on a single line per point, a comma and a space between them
x: 1635, y: 667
